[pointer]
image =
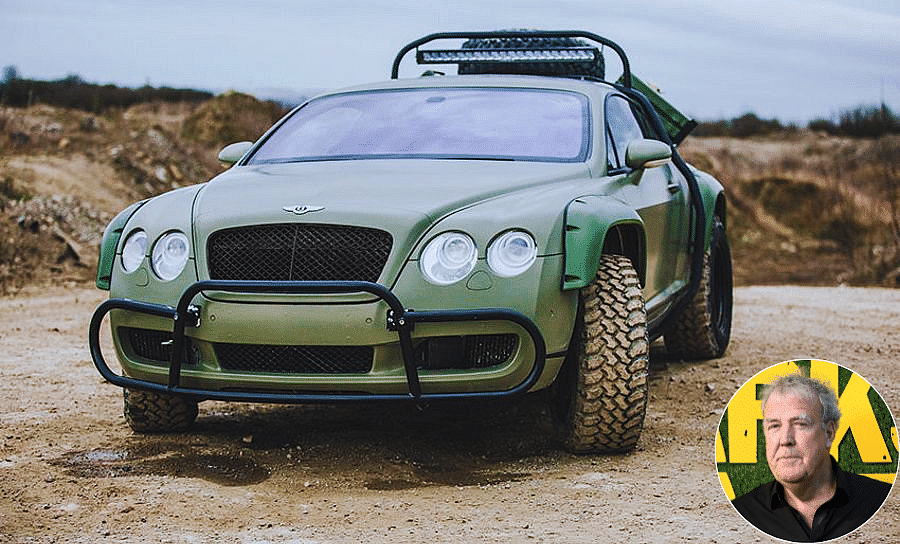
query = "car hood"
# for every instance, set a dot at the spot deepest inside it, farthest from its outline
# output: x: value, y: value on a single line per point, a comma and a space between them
x: 403, y: 197
x: 383, y: 187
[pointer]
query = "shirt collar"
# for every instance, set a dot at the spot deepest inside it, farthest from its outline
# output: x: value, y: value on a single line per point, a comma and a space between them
x: 841, y: 493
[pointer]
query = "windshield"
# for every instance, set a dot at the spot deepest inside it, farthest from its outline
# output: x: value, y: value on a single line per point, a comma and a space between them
x: 447, y: 123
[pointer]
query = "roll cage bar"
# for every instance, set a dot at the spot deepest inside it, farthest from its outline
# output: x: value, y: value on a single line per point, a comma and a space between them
x: 626, y: 70
x: 626, y: 85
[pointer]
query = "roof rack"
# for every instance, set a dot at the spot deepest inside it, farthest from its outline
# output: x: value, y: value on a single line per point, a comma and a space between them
x: 506, y: 56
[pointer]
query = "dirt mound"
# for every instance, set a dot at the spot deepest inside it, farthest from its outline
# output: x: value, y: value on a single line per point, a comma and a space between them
x: 64, y: 174
x: 48, y: 239
x: 229, y: 118
x: 804, y: 209
x: 809, y: 208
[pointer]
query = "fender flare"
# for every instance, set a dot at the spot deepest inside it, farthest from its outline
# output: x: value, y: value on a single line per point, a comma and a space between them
x: 714, y: 202
x: 595, y: 225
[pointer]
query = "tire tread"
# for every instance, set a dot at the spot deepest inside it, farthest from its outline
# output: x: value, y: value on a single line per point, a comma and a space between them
x: 150, y: 412
x: 606, y: 407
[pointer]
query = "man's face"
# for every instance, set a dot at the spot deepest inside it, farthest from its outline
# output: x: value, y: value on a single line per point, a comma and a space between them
x: 797, y: 443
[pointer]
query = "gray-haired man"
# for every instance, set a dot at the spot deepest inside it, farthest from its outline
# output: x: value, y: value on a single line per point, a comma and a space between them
x: 811, y: 498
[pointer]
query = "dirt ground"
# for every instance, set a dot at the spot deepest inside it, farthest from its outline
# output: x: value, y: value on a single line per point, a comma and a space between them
x: 72, y: 470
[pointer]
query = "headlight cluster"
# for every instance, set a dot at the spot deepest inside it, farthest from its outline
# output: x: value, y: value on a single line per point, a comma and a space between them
x: 134, y: 250
x: 167, y: 258
x: 451, y: 256
x: 511, y: 253
x: 448, y: 258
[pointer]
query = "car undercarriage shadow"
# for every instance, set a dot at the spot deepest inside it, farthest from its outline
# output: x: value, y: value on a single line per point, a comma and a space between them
x: 373, y: 445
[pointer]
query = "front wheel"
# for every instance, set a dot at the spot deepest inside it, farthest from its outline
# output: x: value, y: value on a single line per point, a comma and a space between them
x: 149, y: 412
x: 704, y: 329
x: 600, y: 395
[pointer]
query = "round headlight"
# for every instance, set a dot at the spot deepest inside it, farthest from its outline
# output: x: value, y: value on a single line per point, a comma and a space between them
x: 134, y: 250
x: 511, y: 253
x: 448, y: 258
x: 170, y: 253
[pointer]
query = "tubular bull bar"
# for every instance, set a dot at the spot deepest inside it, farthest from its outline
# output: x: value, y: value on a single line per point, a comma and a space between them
x: 399, y: 319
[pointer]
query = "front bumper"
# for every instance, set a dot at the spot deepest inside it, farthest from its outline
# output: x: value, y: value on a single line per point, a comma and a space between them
x: 399, y: 320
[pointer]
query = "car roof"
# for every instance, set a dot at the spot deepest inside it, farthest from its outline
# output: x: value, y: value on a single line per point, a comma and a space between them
x: 484, y: 80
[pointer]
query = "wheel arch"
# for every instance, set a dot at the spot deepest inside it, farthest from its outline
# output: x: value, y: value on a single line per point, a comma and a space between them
x: 714, y: 202
x: 721, y: 209
x: 595, y: 226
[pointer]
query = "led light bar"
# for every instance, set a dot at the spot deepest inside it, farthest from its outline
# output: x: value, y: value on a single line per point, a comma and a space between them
x: 447, y: 56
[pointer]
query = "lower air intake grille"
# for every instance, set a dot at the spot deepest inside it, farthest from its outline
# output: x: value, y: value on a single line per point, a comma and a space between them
x: 466, y: 352
x: 148, y: 344
x: 155, y: 346
x: 295, y: 359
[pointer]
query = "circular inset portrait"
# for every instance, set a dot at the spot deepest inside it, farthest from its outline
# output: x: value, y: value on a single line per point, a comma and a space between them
x: 807, y: 451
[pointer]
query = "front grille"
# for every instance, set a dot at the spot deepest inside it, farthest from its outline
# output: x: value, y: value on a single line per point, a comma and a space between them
x: 296, y: 251
x: 466, y: 352
x: 295, y: 359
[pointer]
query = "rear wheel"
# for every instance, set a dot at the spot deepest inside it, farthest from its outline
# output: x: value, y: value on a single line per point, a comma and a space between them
x: 704, y: 329
x: 150, y: 412
x: 600, y: 395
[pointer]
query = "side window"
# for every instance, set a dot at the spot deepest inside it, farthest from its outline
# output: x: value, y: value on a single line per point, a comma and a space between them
x: 621, y: 128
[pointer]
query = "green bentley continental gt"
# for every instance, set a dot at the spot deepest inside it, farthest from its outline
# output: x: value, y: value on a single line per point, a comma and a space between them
x: 526, y: 224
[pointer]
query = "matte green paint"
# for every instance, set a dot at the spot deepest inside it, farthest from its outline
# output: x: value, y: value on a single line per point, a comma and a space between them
x: 568, y: 208
x: 231, y: 154
x: 647, y: 154
x: 161, y: 214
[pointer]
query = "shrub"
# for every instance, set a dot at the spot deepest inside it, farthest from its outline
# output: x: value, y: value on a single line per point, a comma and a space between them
x: 745, y: 126
x: 860, y: 122
x: 73, y: 92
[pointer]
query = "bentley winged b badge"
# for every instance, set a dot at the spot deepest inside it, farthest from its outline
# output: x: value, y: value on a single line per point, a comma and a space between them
x: 302, y: 209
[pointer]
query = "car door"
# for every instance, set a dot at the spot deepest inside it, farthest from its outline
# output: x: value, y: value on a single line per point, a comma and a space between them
x: 658, y: 195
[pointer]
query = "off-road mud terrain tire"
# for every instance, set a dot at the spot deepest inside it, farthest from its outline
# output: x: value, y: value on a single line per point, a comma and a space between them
x: 600, y: 395
x: 149, y: 412
x: 704, y: 330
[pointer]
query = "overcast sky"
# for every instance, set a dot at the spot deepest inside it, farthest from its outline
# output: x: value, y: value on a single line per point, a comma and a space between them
x: 790, y: 59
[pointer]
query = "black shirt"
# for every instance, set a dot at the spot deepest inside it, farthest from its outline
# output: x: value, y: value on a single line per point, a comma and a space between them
x: 855, y: 500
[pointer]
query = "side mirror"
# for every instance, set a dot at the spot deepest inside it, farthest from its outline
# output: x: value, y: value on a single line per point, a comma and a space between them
x: 647, y: 154
x: 231, y: 154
